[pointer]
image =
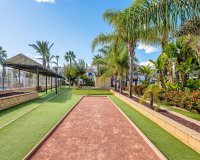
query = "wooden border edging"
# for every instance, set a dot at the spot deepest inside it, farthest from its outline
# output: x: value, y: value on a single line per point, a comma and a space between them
x: 181, y: 132
x: 36, y: 147
x: 151, y: 145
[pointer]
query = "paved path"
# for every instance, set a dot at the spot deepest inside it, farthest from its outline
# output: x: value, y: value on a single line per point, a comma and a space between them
x: 95, y: 130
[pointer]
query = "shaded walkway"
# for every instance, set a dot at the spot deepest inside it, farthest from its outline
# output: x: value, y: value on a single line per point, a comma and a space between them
x: 95, y: 129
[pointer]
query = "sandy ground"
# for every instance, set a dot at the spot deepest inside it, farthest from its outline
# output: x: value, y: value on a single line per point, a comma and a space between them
x: 95, y: 130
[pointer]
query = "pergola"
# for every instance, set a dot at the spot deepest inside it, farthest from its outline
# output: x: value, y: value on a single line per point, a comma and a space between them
x: 24, y: 63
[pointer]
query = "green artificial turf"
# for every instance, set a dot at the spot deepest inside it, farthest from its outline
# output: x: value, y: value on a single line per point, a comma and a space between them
x: 88, y: 91
x: 171, y: 147
x: 19, y: 137
x: 9, y: 114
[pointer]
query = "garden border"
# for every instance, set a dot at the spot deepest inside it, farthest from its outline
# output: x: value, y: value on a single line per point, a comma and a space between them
x: 39, y: 144
x: 173, y: 112
x: 186, y: 135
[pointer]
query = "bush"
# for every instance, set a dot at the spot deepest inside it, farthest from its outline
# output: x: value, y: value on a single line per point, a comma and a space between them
x: 186, y: 100
x: 125, y: 88
x: 139, y: 89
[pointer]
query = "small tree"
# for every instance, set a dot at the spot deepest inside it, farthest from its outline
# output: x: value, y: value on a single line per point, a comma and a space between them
x: 70, y: 57
x: 152, y: 93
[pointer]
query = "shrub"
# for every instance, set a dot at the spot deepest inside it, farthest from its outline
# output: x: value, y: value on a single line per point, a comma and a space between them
x: 186, y: 100
x: 139, y: 89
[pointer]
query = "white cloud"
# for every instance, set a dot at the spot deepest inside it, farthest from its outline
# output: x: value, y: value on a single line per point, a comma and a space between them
x: 148, y: 49
x: 45, y: 1
x: 146, y: 63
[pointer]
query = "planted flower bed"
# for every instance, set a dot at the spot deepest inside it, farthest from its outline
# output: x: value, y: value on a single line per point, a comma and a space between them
x: 13, y: 98
x: 180, y: 120
x: 185, y: 100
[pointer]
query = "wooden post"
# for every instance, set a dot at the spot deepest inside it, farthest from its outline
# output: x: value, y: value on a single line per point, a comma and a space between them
x: 46, y: 83
x: 56, y: 84
x: 38, y: 79
x: 3, y: 76
x: 51, y: 83
x: 19, y: 79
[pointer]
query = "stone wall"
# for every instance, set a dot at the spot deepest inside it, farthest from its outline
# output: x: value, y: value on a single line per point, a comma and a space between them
x: 10, y: 101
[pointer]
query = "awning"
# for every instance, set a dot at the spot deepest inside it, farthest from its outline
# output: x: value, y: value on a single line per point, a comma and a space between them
x: 27, y: 64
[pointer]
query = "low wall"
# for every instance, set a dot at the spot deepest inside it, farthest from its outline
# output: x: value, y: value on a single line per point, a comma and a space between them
x: 102, y: 82
x: 10, y: 101
x: 186, y: 135
x: 30, y: 89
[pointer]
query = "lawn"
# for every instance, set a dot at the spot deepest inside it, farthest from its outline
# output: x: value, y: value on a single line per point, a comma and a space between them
x: 88, y: 91
x: 23, y: 134
x: 9, y: 114
x: 171, y: 147
x: 19, y: 137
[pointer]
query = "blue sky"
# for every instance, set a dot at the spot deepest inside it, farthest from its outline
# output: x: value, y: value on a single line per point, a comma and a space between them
x: 69, y: 24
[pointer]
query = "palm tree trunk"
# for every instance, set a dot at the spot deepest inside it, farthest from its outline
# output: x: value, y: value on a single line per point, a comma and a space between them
x: 3, y: 77
x: 69, y: 82
x: 162, y: 80
x: 126, y: 79
x: 48, y: 66
x: 151, y: 99
x: 98, y: 67
x: 184, y: 79
x: 131, y: 49
x: 44, y: 61
x: 121, y: 83
x: 115, y: 82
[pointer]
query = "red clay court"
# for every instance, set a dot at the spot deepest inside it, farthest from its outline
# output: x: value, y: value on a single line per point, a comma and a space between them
x: 95, y: 130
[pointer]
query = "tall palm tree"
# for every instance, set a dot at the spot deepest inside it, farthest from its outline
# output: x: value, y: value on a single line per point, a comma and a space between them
x: 49, y: 59
x: 97, y: 60
x: 116, y: 61
x: 122, y: 64
x: 127, y: 31
x: 43, y: 48
x: 70, y: 57
x: 165, y: 15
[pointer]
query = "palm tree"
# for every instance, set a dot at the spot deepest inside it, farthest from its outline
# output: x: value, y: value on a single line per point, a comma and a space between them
x: 49, y: 59
x: 126, y: 32
x: 191, y: 27
x: 147, y: 71
x: 122, y: 65
x: 97, y: 60
x: 43, y: 48
x: 152, y: 92
x: 3, y: 56
x: 165, y: 15
x: 160, y: 65
x: 184, y: 68
x: 70, y: 57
